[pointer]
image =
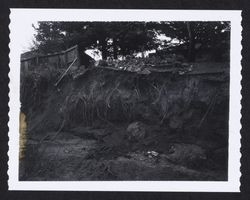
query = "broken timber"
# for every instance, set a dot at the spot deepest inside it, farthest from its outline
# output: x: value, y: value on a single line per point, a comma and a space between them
x: 66, y: 71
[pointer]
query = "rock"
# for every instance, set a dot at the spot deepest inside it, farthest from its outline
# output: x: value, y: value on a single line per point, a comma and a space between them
x: 186, y: 154
x: 136, y: 131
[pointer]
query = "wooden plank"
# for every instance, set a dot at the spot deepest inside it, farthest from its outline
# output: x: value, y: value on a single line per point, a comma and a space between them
x: 66, y: 71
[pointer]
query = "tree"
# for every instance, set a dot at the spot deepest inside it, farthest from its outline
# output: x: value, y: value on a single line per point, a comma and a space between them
x: 49, y: 37
x: 57, y: 36
x: 209, y: 35
x: 126, y: 38
x: 191, y: 42
x: 111, y: 38
x: 134, y: 37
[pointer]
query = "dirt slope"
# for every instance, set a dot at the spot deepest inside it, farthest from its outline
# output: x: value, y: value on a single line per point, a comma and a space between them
x: 94, y: 109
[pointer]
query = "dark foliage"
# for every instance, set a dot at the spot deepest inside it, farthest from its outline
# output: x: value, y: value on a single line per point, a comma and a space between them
x: 125, y: 38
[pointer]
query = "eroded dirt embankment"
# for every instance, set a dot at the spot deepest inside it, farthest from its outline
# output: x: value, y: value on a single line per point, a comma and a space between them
x: 116, y: 125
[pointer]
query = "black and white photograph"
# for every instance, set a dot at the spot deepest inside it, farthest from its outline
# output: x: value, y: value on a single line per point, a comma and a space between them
x: 125, y: 100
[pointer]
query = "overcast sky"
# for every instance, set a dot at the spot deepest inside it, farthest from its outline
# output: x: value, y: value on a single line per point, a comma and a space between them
x: 27, y: 35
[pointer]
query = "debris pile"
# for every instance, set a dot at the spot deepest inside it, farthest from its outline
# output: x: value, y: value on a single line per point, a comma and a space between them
x: 147, y: 64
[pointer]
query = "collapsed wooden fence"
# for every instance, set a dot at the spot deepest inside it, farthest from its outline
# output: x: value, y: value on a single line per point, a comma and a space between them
x: 56, y: 60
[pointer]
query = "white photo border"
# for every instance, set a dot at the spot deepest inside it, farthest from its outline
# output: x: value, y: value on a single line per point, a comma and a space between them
x: 17, y: 16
